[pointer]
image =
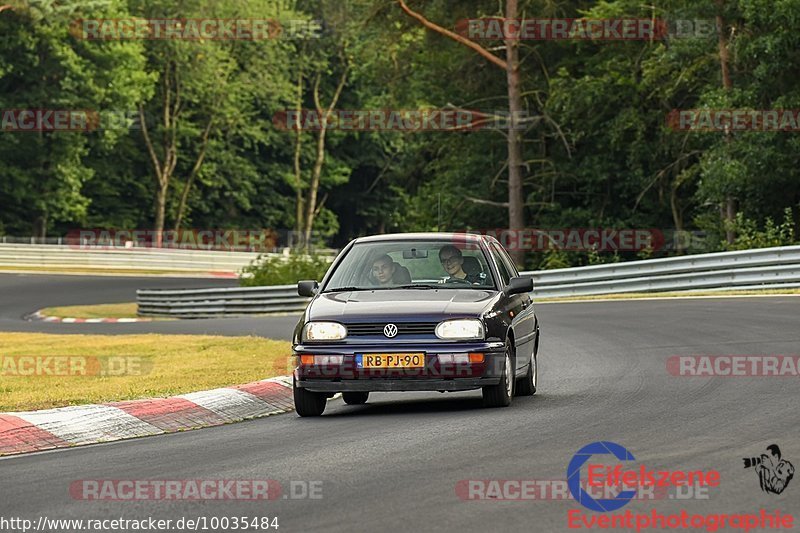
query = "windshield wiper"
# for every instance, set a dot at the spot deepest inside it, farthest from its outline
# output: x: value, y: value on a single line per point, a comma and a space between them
x: 345, y: 289
x: 410, y: 287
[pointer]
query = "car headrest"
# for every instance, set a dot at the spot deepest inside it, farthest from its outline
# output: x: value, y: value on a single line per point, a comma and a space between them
x: 401, y: 275
x: 471, y: 265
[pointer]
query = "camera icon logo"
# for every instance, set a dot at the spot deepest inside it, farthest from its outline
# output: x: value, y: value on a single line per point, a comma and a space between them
x: 774, y: 473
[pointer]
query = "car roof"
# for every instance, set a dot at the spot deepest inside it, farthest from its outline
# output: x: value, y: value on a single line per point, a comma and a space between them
x: 469, y: 237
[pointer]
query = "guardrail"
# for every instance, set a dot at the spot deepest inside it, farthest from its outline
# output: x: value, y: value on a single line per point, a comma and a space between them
x: 71, y: 257
x: 54, y: 256
x: 205, y: 303
x: 762, y: 268
x: 748, y: 269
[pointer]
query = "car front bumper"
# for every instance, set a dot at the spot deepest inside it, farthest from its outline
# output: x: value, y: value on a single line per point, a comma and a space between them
x: 396, y: 385
x: 434, y: 376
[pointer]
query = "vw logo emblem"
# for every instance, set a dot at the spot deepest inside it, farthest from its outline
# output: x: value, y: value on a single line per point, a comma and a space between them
x: 390, y: 330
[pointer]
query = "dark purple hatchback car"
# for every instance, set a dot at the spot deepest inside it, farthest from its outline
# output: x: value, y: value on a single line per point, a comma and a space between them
x: 416, y: 312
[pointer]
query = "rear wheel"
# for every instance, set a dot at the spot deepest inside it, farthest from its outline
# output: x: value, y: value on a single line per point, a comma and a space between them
x: 355, y: 398
x: 500, y: 395
x: 308, y: 403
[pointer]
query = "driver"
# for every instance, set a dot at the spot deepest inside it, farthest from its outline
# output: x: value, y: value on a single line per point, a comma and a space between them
x: 453, y: 262
x: 383, y: 270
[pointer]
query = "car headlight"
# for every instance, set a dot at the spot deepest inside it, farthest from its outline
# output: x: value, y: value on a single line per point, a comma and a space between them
x: 324, y: 331
x: 462, y: 329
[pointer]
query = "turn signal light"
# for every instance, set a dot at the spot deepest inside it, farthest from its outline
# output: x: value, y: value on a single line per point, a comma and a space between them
x: 460, y: 358
x: 476, y: 358
x: 308, y: 360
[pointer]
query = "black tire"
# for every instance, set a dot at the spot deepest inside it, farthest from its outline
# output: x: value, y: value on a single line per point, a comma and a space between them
x: 355, y: 398
x: 500, y: 395
x: 527, y: 385
x: 308, y: 403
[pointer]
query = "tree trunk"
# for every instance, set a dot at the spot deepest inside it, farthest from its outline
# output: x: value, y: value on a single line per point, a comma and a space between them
x: 184, y: 199
x: 677, y: 219
x: 729, y: 206
x: 40, y: 227
x: 160, y: 207
x: 516, y: 197
x: 730, y: 216
x: 198, y: 164
x: 164, y: 170
x: 298, y: 173
x: 313, y: 189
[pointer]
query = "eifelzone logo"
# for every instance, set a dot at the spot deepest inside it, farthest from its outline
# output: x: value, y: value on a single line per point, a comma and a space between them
x: 601, y: 475
x: 774, y: 473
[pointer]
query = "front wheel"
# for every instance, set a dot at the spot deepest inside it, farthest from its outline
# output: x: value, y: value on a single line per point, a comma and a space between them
x: 355, y: 398
x: 527, y: 385
x: 500, y: 395
x: 308, y: 403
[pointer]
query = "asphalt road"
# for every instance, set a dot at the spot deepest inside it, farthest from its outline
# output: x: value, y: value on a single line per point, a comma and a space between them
x: 22, y: 294
x: 394, y: 463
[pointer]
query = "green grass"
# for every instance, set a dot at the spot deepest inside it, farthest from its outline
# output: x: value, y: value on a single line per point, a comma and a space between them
x: 135, y: 366
x: 123, y: 310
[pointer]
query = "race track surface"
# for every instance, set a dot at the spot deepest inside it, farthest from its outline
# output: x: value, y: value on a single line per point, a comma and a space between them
x: 394, y: 463
x: 22, y: 294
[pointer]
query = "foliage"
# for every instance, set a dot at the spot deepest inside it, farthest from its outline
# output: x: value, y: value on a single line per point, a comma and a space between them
x: 554, y: 258
x: 749, y: 236
x: 284, y: 270
x: 598, y: 152
x: 44, y: 66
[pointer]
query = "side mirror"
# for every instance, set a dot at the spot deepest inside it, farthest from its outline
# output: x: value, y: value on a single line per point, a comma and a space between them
x: 518, y: 285
x: 307, y: 287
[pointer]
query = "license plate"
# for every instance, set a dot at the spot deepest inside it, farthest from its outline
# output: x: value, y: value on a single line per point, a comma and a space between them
x: 390, y: 360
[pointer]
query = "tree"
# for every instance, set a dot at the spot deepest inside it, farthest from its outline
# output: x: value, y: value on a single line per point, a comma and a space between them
x: 516, y: 199
x: 324, y: 67
x: 207, y: 90
x: 43, y: 66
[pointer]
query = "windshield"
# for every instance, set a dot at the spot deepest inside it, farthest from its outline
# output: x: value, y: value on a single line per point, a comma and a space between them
x: 422, y: 263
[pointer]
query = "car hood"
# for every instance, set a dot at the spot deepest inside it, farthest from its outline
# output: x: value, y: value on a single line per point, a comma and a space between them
x: 406, y: 304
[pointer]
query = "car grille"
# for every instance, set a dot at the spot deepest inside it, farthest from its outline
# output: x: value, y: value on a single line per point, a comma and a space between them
x: 403, y: 328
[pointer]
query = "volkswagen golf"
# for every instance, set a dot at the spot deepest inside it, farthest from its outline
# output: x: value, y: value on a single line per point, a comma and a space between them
x: 416, y: 312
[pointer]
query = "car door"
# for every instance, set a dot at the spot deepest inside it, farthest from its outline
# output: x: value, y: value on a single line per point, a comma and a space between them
x: 523, y: 320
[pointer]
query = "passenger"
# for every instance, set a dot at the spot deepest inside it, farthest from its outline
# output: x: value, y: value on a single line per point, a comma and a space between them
x: 453, y: 262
